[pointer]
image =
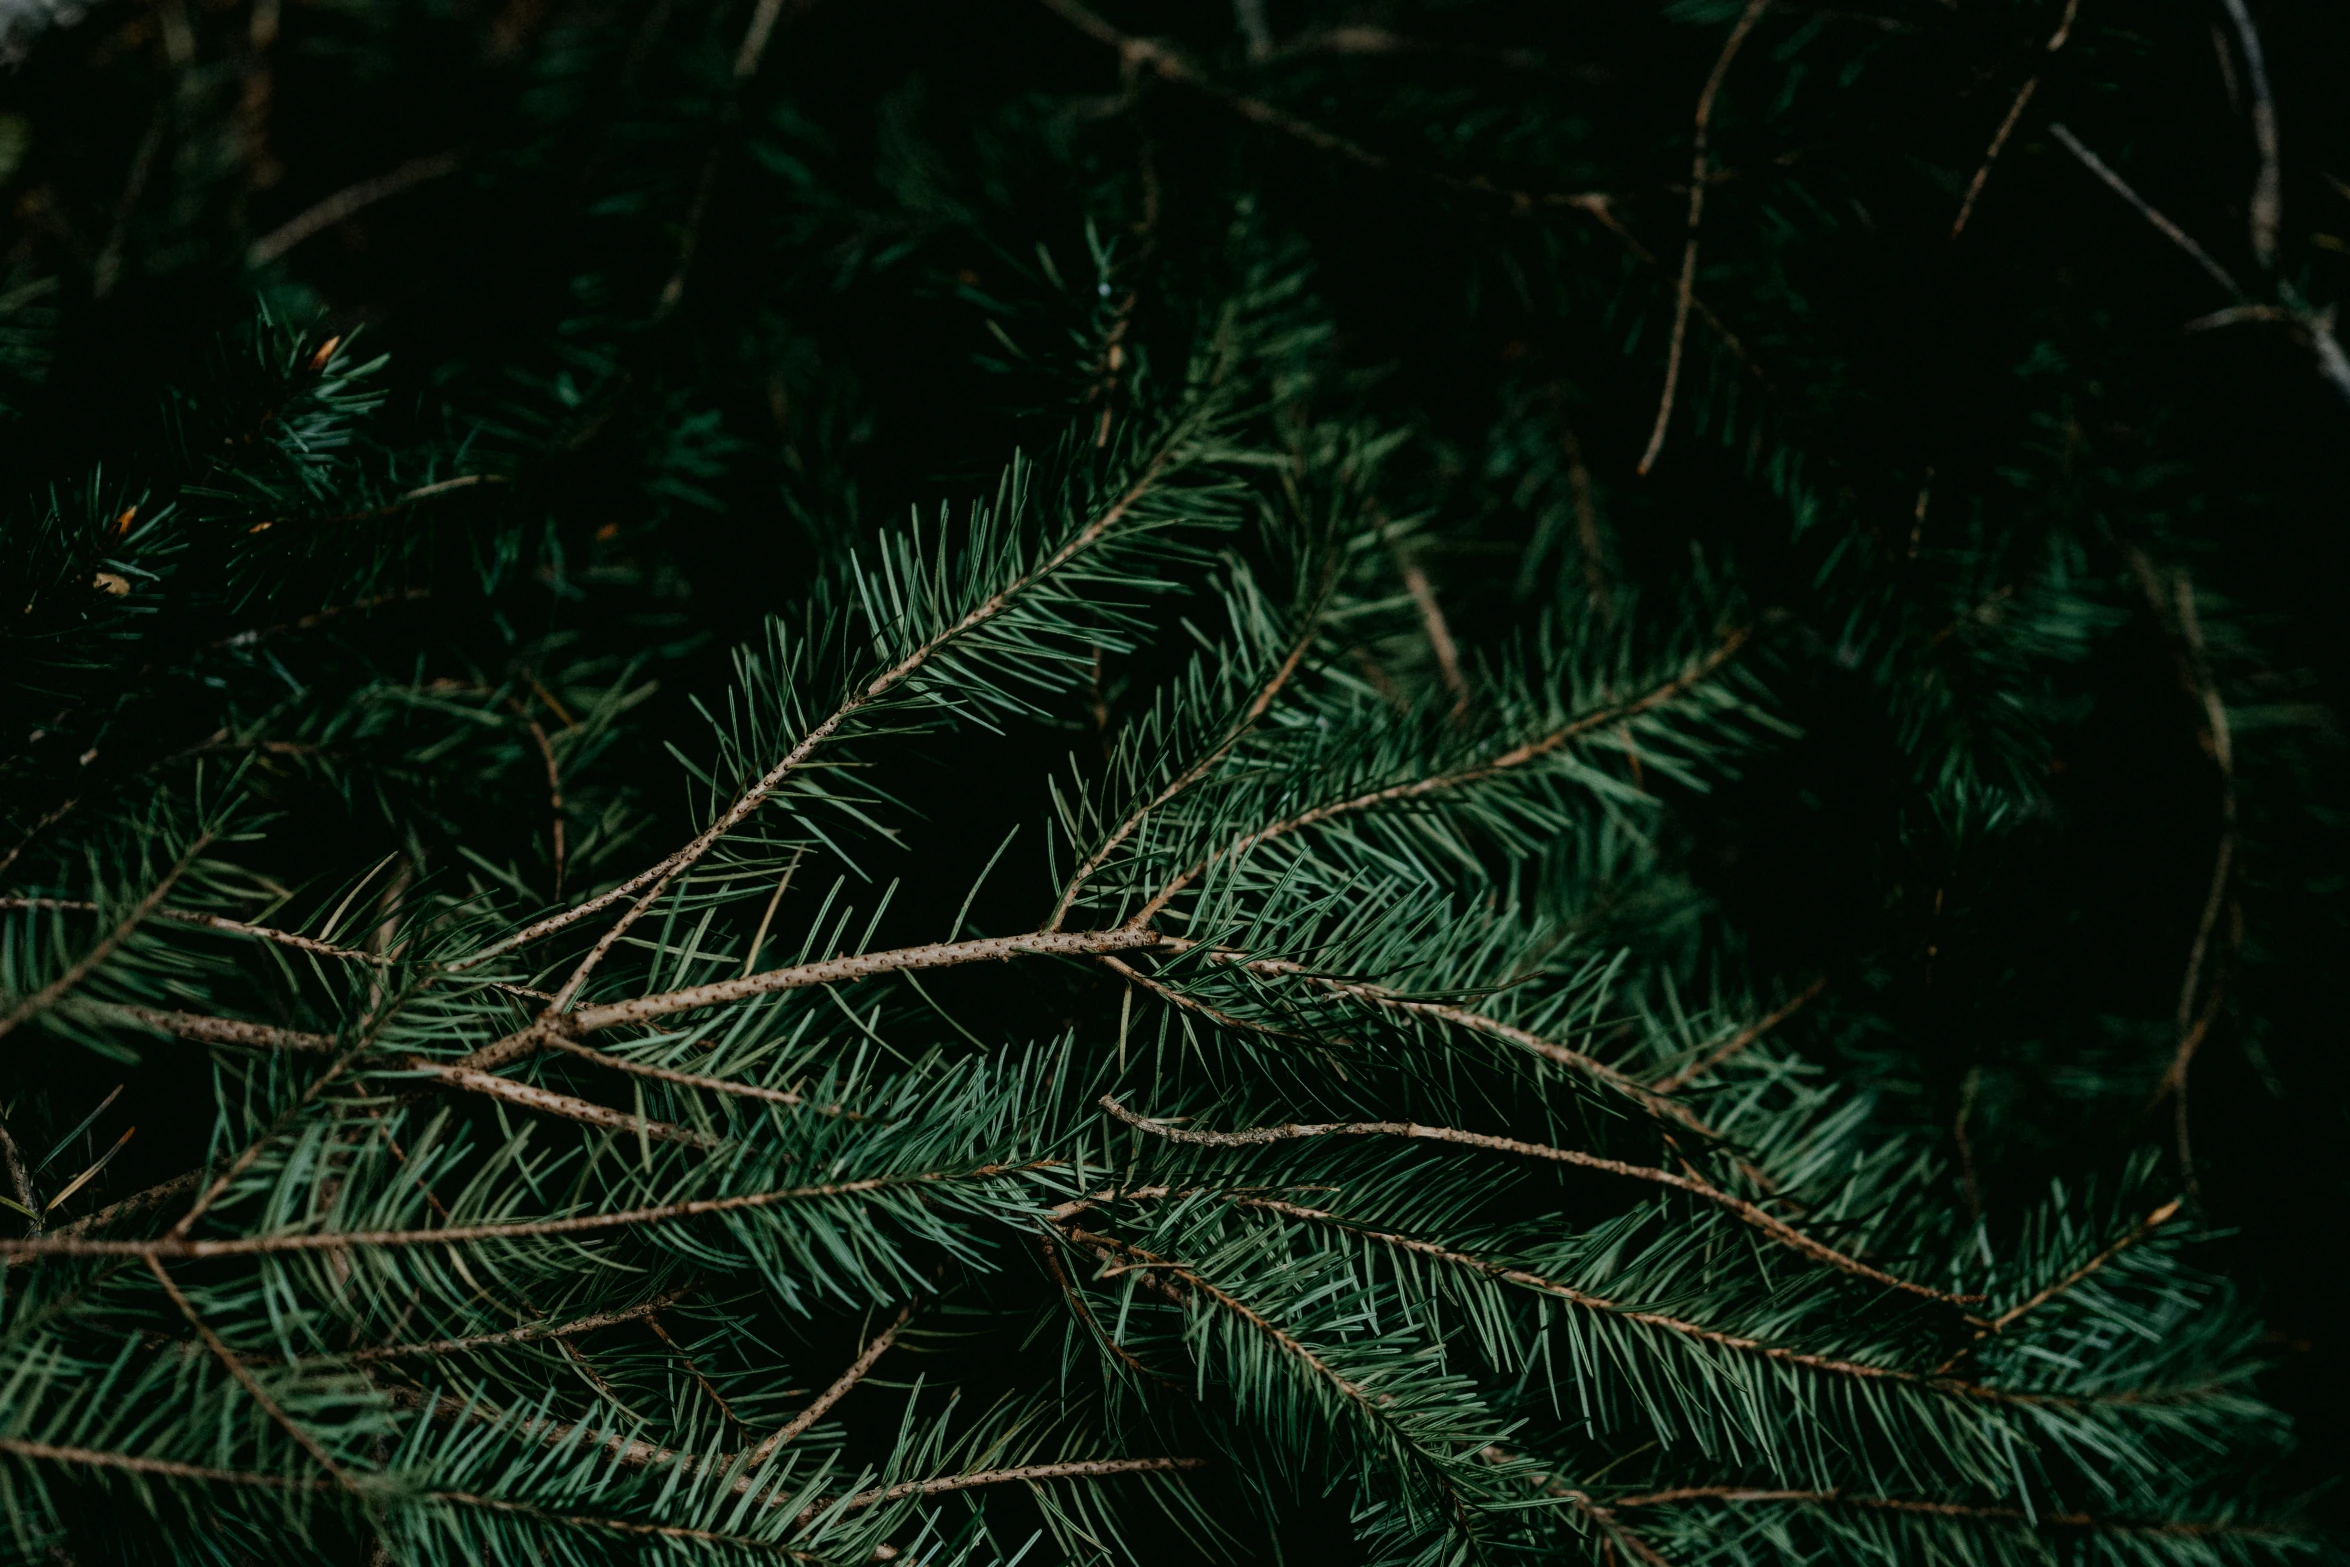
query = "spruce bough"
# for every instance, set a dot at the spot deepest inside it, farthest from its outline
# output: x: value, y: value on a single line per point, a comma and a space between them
x: 1107, y: 1028
x: 520, y: 1225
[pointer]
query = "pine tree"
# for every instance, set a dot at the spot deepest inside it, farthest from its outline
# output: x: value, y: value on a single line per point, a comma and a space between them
x: 855, y: 822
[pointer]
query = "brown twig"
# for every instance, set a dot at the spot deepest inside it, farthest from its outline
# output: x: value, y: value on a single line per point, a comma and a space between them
x: 1682, y: 1076
x: 2015, y: 113
x: 522, y: 1335
x: 2265, y: 211
x: 866, y: 1359
x: 848, y: 970
x: 2145, y: 209
x: 565, y: 1106
x: 1697, y: 183
x: 1737, y: 1207
x: 1418, y: 788
x: 347, y: 203
x: 178, y: 1245
x: 221, y: 1030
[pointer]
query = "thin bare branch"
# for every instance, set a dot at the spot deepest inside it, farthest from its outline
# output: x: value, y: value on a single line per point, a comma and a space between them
x: 1176, y: 998
x: 178, y: 1246
x: 568, y: 1108
x: 2164, y: 226
x: 347, y: 203
x: 522, y: 1335
x: 1738, y: 1207
x: 848, y: 970
x: 1698, y: 179
x: 2266, y: 209
x: 866, y: 1359
x: 2015, y: 113
x: 1419, y: 788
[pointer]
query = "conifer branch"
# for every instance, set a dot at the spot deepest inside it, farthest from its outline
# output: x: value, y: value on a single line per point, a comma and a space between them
x: 1737, y: 1207
x: 660, y: 1074
x: 1438, y: 783
x: 2065, y: 1521
x: 2015, y: 113
x: 1681, y: 1077
x: 847, y: 970
x: 1527, y: 1279
x: 161, y: 1468
x: 220, y: 1030
x: 1698, y: 178
x: 1074, y: 1469
x: 245, y: 1379
x: 648, y: 885
x: 89, y: 962
x: 1256, y: 709
x: 179, y: 1246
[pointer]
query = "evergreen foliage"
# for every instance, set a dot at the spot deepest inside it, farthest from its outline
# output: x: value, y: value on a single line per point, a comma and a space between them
x: 1022, y: 784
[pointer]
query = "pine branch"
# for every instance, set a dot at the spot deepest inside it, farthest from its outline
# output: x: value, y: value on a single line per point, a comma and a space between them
x: 1457, y: 778
x: 178, y: 1246
x: 90, y: 962
x: 1737, y: 1207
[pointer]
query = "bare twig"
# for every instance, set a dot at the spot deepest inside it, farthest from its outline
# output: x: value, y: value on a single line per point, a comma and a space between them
x: 554, y: 792
x: 2162, y: 225
x: 564, y: 1105
x: 1737, y: 1207
x: 162, y: 1468
x: 2266, y: 208
x: 2015, y: 113
x: 1697, y: 182
x: 521, y: 1335
x: 866, y: 1359
x: 347, y: 203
